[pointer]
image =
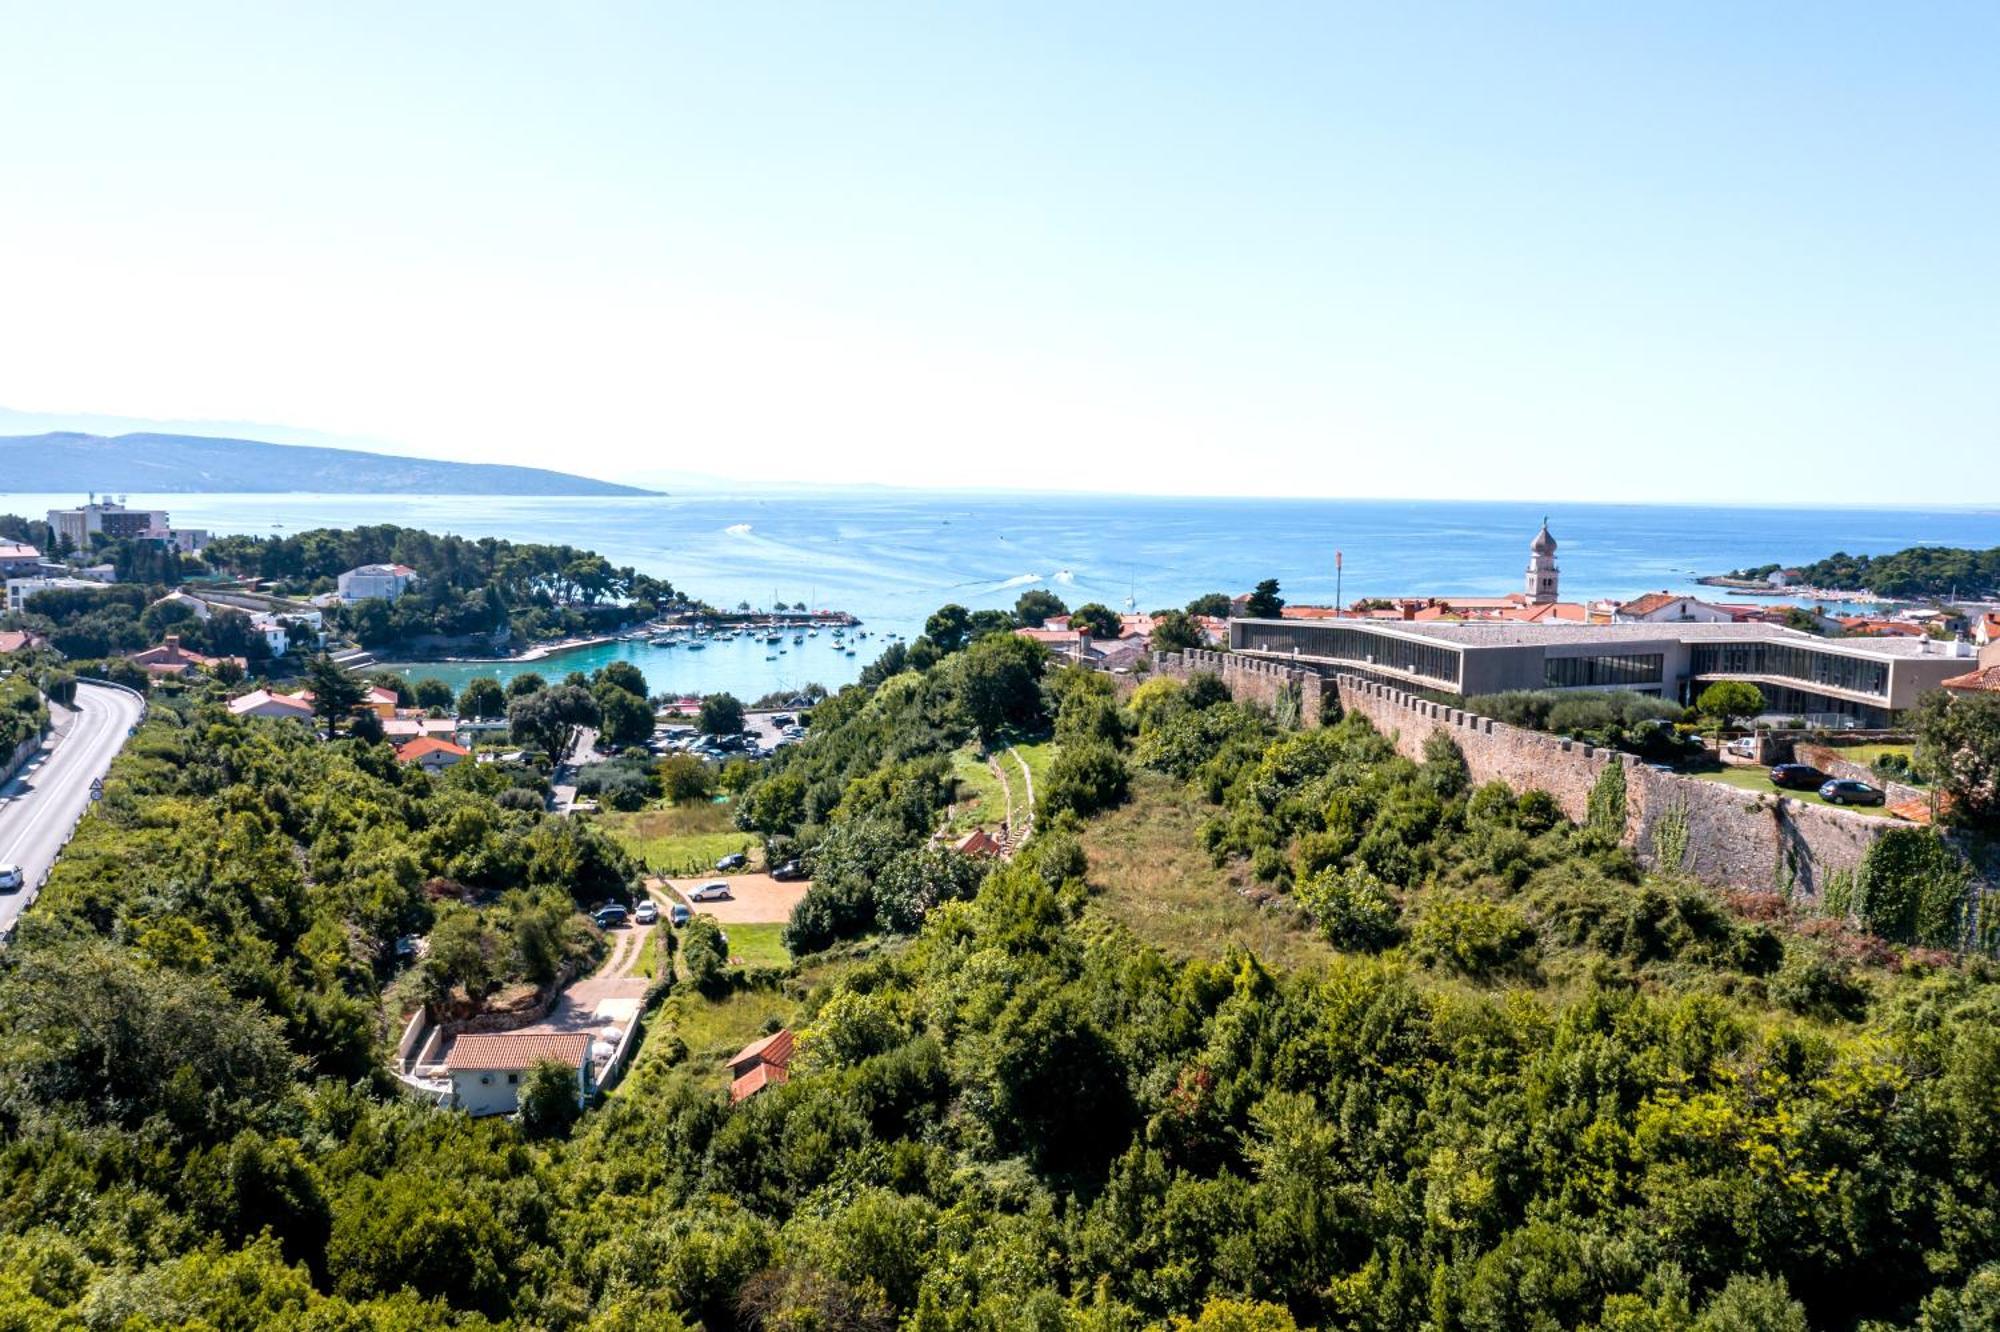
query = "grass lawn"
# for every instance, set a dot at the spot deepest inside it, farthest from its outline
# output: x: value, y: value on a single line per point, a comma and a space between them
x: 1867, y: 754
x: 1038, y: 754
x: 1757, y: 779
x: 648, y: 961
x: 981, y: 798
x: 1148, y: 872
x: 757, y: 945
x: 681, y: 839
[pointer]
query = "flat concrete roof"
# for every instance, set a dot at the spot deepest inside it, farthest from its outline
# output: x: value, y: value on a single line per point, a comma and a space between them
x: 1569, y: 633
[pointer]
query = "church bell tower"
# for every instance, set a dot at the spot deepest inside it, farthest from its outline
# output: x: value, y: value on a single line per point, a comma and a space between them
x: 1542, y: 572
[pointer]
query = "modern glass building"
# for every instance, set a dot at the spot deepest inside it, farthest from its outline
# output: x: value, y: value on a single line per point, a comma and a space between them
x: 1861, y: 681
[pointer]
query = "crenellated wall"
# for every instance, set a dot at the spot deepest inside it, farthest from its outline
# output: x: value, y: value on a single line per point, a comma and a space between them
x: 1734, y: 838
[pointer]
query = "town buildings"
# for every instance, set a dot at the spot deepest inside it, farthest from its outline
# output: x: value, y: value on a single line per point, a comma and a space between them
x: 74, y: 528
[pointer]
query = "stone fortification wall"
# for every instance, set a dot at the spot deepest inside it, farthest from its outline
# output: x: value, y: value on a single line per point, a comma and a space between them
x: 1724, y: 836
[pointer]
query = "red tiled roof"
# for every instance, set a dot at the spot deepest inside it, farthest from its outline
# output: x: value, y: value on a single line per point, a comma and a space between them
x: 978, y: 842
x: 517, y: 1049
x: 14, y: 640
x: 758, y: 1078
x: 1649, y: 603
x: 425, y: 745
x: 1985, y: 680
x: 773, y: 1049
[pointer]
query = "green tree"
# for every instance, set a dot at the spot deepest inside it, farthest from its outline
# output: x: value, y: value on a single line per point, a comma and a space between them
x: 999, y: 682
x: 1096, y: 619
x: 549, y: 718
x: 432, y: 692
x: 482, y: 699
x: 623, y: 675
x: 1036, y: 605
x: 527, y: 682
x: 1214, y: 605
x: 1958, y: 748
x: 947, y: 627
x: 685, y: 778
x: 549, y: 1100
x: 721, y: 714
x: 1175, y: 631
x: 1729, y: 701
x: 335, y: 691
x: 623, y: 718
x: 704, y: 954
x: 1264, y: 602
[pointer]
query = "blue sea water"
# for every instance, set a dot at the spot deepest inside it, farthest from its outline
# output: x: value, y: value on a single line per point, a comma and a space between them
x: 891, y: 557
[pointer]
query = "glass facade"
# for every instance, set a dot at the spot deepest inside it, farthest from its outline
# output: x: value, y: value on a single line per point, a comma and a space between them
x: 1360, y: 647
x: 1856, y: 675
x: 1618, y: 670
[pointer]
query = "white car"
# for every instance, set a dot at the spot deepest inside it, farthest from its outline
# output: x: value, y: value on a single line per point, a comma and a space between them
x: 648, y: 913
x: 710, y: 892
x: 11, y: 879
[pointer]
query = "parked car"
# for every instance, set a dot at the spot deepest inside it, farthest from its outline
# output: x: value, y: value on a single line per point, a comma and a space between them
x: 647, y: 913
x: 788, y: 871
x: 735, y: 861
x: 1847, y: 791
x: 1797, y: 777
x: 679, y: 914
x: 609, y: 917
x: 11, y: 879
x: 710, y: 892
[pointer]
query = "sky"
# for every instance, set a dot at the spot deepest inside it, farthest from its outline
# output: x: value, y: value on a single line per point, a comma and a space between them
x: 1524, y: 251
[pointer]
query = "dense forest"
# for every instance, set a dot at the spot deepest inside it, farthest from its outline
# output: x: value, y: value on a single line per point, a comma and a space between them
x: 1920, y: 571
x: 1504, y: 1079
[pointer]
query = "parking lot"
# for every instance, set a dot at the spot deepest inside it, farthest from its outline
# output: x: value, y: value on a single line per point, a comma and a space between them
x: 760, y: 729
x: 754, y: 899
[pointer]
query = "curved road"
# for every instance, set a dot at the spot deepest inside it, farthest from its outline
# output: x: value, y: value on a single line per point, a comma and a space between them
x: 40, y: 806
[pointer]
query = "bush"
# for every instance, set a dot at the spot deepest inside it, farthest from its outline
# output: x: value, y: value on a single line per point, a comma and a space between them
x: 548, y: 1099
x: 1084, y: 779
x: 1471, y: 935
x: 1813, y: 983
x: 1352, y: 908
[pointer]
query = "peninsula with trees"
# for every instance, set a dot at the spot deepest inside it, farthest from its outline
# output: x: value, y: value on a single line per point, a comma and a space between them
x: 1916, y: 572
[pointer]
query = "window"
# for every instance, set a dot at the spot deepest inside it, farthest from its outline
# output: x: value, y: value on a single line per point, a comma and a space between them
x: 1357, y: 646
x: 486, y: 1079
x: 1612, y: 671
x: 513, y: 1078
x: 1856, y: 675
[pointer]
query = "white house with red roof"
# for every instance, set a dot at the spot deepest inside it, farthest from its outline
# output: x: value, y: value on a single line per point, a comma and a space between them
x: 487, y: 1071
x: 432, y: 754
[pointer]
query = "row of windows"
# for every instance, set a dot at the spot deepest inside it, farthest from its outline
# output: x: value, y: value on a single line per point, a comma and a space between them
x: 1854, y: 674
x: 1330, y: 642
x: 1615, y: 671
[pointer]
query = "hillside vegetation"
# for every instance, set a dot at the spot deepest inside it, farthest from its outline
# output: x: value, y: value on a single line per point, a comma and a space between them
x: 1478, y: 1072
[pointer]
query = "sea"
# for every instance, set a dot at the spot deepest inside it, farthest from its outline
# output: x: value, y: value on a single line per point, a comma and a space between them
x: 891, y: 557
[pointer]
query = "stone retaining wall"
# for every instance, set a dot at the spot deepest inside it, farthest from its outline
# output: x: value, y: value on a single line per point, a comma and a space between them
x: 1734, y: 838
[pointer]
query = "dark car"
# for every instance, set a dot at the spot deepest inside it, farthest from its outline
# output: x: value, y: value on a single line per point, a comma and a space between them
x: 788, y: 871
x: 735, y: 861
x: 609, y: 917
x: 1798, y: 777
x: 1846, y: 791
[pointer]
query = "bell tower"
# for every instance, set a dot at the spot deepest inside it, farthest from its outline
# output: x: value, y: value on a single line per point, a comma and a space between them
x: 1543, y: 575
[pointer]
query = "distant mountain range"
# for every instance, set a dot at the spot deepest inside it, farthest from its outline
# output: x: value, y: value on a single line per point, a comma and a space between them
x: 156, y: 464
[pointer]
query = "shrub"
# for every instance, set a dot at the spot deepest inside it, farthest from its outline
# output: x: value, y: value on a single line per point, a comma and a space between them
x: 1352, y: 907
x: 1471, y: 935
x: 1813, y: 983
x: 1084, y: 779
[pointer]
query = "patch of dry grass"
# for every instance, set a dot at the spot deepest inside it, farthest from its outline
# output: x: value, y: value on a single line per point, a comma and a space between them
x: 1149, y: 873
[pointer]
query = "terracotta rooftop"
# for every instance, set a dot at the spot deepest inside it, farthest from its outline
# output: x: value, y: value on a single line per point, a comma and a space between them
x: 517, y: 1049
x: 425, y: 745
x: 759, y: 1077
x: 1983, y: 681
x: 1649, y: 603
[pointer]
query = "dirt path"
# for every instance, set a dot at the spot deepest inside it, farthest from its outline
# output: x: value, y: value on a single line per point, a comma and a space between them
x: 1000, y: 775
x: 1027, y: 777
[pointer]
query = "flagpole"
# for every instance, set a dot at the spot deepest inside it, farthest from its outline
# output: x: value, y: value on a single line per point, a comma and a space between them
x: 1336, y: 583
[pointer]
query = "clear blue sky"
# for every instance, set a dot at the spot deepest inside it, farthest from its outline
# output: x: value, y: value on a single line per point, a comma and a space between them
x: 1528, y: 251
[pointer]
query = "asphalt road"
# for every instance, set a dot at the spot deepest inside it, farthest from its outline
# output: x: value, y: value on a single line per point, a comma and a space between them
x: 40, y: 806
